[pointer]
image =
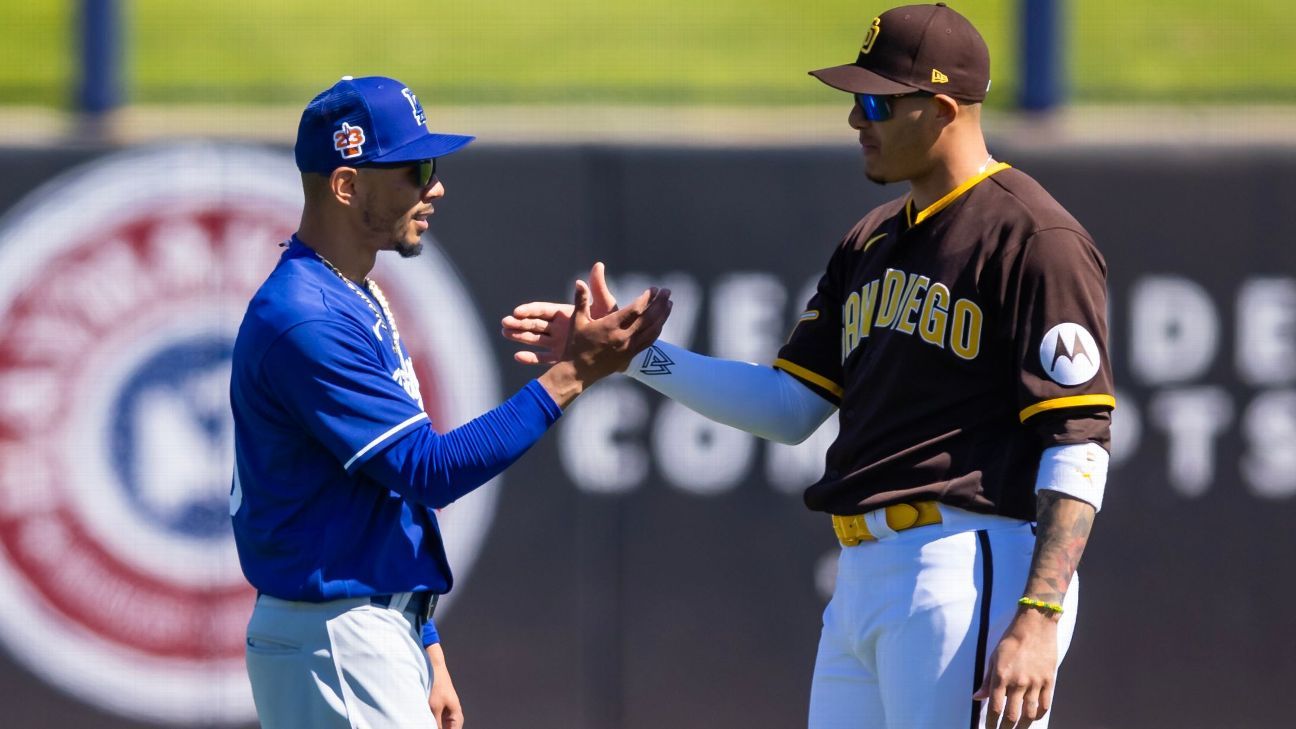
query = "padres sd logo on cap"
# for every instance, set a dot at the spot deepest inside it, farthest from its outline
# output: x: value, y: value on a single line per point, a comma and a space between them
x: 118, y: 573
x: 927, y: 48
x: 872, y: 35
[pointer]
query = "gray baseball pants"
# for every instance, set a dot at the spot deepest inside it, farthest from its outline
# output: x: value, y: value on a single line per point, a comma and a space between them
x: 344, y: 663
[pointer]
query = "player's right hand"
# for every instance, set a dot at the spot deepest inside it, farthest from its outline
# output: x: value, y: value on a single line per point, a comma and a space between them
x: 598, y: 347
x: 545, y: 325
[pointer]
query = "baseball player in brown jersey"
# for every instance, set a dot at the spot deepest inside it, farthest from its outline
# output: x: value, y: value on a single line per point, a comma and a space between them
x: 961, y: 332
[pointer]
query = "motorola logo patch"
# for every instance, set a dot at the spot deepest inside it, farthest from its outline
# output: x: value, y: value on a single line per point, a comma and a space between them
x: 1069, y: 354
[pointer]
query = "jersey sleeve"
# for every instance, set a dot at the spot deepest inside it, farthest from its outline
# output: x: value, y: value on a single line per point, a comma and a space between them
x: 430, y: 634
x: 328, y: 377
x: 1056, y: 314
x: 435, y: 470
x: 813, y: 352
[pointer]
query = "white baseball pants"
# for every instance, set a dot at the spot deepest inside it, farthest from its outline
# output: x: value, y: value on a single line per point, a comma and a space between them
x: 345, y: 664
x: 913, y: 621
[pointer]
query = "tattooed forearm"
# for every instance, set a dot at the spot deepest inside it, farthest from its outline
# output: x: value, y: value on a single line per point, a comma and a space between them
x: 1060, y: 539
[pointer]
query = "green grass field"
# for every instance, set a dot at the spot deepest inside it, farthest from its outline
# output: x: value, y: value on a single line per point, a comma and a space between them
x: 748, y: 52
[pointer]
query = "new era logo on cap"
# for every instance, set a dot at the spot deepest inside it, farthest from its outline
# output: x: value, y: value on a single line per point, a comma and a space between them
x: 373, y: 119
x: 917, y: 48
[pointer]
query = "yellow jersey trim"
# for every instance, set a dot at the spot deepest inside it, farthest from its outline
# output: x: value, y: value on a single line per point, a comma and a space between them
x: 871, y: 241
x: 805, y: 374
x: 954, y: 194
x: 809, y: 315
x: 1075, y: 401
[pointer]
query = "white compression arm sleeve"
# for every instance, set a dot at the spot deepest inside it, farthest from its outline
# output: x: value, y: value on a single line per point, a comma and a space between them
x: 759, y: 399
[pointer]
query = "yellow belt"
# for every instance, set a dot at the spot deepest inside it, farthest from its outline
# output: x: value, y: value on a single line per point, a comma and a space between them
x: 852, y: 530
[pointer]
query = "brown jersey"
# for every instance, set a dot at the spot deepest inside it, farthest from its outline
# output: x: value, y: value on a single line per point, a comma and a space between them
x: 959, y: 343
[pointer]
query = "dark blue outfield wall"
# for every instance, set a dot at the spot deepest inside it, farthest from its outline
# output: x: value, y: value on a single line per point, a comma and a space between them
x: 640, y: 567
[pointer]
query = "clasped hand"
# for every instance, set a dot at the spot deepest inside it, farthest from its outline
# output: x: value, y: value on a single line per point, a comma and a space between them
x: 547, y: 325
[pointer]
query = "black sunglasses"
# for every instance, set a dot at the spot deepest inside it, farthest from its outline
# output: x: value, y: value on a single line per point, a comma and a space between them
x: 878, y: 108
x: 424, y: 170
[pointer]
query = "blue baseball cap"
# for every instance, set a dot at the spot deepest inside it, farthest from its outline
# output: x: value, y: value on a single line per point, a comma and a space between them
x: 373, y: 119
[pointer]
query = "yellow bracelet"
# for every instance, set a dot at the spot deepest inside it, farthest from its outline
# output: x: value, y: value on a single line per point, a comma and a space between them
x: 1032, y: 602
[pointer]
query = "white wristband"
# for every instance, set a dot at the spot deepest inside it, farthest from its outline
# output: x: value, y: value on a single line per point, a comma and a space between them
x: 1078, y: 470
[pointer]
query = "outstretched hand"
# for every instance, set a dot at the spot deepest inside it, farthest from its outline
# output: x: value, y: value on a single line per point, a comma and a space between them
x: 546, y: 325
x: 597, y: 347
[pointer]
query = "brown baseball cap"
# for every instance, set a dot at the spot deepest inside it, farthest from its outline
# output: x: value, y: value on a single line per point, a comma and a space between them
x: 917, y: 48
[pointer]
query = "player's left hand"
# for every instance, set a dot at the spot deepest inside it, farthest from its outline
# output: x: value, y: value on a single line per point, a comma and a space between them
x: 545, y: 324
x: 1019, y: 679
x: 443, y: 700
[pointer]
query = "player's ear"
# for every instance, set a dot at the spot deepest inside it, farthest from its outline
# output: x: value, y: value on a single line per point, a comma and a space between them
x: 342, y: 184
x: 947, y: 109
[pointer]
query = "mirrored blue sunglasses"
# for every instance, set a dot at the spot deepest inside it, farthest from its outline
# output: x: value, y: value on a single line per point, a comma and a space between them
x: 878, y: 107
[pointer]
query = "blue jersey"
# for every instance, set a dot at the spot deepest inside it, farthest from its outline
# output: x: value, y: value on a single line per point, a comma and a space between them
x: 337, y: 468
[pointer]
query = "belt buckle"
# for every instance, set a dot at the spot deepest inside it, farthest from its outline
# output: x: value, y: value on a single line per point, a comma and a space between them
x: 850, y: 530
x: 423, y: 604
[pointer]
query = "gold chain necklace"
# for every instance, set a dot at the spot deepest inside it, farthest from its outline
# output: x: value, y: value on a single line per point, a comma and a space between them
x: 372, y: 287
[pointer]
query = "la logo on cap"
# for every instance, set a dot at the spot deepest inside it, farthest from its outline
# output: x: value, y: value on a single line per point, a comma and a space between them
x: 349, y: 141
x: 871, y: 37
x: 415, y: 107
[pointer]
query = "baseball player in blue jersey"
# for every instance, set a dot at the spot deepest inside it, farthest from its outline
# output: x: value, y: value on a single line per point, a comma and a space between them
x: 960, y: 331
x: 338, y: 470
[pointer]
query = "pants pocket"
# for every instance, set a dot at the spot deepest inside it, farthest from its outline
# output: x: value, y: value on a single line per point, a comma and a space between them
x: 268, y: 646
